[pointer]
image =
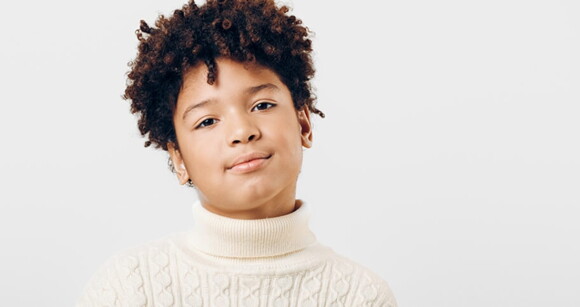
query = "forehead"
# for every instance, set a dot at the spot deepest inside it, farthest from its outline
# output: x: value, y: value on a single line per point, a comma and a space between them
x: 230, y: 74
x: 234, y: 81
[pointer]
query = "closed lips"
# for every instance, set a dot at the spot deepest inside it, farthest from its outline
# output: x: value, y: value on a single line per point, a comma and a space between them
x: 249, y: 157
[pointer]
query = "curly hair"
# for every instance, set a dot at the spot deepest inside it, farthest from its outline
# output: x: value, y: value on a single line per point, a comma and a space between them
x: 243, y: 30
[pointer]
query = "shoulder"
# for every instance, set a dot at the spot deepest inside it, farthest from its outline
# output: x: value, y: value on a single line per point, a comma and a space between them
x: 103, y: 287
x: 122, y: 278
x: 362, y: 285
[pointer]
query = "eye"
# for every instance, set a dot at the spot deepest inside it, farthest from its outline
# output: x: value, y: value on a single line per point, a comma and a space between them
x: 263, y: 106
x: 206, y: 122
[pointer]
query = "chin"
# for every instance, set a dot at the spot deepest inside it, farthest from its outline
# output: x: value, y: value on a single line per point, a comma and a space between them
x: 255, y: 193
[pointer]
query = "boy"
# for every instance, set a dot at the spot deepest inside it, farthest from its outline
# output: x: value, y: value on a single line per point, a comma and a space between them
x: 224, y: 88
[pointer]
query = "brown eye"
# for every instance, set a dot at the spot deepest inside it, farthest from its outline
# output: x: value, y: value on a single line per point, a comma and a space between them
x: 263, y: 106
x: 206, y: 122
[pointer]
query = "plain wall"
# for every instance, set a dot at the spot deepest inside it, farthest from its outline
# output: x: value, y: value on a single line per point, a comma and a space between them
x: 449, y: 161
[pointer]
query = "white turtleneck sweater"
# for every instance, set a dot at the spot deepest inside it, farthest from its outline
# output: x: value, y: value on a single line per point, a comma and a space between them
x: 223, y: 261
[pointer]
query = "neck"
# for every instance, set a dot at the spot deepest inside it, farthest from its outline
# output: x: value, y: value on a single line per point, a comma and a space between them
x: 282, y: 204
x: 238, y: 238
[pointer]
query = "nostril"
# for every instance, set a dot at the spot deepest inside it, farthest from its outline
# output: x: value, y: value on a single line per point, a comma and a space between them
x: 241, y: 139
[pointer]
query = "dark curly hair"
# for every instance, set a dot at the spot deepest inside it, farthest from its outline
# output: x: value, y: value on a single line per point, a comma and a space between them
x: 243, y: 30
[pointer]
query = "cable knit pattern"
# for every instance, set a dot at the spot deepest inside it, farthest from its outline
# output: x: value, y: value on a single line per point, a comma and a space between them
x: 229, y: 262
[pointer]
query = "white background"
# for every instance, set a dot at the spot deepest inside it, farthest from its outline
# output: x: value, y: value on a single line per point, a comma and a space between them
x: 449, y: 161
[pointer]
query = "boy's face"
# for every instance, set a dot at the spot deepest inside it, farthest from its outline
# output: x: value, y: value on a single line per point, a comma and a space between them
x: 240, y: 139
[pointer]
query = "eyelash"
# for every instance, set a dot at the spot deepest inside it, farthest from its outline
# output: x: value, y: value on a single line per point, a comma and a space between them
x: 265, y: 102
x: 201, y: 125
x: 203, y: 121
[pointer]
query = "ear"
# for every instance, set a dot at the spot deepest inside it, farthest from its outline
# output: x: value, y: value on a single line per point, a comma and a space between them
x: 178, y: 163
x: 305, y: 126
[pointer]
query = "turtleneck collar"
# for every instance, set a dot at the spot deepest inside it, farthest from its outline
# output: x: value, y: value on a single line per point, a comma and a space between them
x: 237, y: 238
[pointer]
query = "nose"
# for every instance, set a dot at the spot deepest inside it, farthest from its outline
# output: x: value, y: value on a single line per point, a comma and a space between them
x: 243, y: 130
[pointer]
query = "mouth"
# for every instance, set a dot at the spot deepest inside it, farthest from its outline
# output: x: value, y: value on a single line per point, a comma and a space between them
x: 248, y: 163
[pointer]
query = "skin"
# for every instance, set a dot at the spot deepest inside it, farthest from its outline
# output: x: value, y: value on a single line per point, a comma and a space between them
x: 233, y: 122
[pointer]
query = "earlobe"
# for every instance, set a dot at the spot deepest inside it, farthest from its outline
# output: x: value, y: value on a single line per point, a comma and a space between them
x: 178, y: 164
x: 305, y: 127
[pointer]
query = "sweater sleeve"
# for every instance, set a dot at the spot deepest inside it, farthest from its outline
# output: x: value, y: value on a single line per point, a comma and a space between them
x: 104, y: 287
x: 386, y: 298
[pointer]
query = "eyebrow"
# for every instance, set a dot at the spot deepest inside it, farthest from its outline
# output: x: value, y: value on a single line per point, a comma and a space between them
x: 249, y: 91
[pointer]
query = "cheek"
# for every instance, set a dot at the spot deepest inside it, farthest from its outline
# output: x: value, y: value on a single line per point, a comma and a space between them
x: 203, y: 161
x: 292, y: 145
